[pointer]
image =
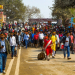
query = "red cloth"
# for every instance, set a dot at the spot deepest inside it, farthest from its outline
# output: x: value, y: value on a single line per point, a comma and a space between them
x: 6, y: 34
x: 45, y: 40
x: 48, y: 49
x: 60, y: 35
x: 38, y: 33
x: 61, y: 46
x: 34, y: 29
x: 36, y: 37
x: 13, y: 30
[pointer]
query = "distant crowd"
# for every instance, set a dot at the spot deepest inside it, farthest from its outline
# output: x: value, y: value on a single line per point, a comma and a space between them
x: 50, y: 38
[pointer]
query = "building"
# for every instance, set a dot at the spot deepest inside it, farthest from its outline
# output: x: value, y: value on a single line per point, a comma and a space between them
x: 42, y: 20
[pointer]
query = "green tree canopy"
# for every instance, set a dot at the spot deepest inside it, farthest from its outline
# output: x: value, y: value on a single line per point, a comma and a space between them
x: 14, y: 9
x: 58, y: 11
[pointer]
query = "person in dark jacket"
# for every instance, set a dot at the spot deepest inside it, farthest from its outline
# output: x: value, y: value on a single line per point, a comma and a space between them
x: 5, y: 49
x: 67, y: 45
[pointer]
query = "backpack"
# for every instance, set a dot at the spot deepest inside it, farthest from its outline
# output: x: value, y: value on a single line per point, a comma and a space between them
x: 41, y: 56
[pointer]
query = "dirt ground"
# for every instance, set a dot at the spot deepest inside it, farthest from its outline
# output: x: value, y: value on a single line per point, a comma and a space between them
x: 29, y: 65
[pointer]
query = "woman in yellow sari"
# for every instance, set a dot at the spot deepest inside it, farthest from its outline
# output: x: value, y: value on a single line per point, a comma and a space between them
x: 53, y: 38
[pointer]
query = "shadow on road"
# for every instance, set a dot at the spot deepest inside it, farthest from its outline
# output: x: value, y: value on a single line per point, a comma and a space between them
x: 69, y: 62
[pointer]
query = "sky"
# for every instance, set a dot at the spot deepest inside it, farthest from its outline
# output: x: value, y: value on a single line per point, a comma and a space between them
x: 43, y: 5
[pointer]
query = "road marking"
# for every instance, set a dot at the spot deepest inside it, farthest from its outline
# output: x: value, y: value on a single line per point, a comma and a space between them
x: 10, y: 66
x: 29, y: 62
x: 18, y: 63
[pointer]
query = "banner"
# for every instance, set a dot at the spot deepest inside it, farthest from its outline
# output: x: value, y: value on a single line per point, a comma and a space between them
x: 1, y: 16
x: 73, y: 22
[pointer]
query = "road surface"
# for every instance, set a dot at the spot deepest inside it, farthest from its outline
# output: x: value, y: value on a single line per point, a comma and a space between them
x: 27, y: 64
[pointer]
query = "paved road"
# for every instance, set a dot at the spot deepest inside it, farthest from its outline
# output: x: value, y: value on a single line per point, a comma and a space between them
x: 27, y: 64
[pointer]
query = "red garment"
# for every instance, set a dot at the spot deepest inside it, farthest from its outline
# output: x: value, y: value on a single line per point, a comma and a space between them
x: 36, y: 37
x: 6, y: 34
x: 38, y: 33
x: 60, y: 35
x: 13, y: 30
x: 48, y: 49
x: 34, y: 29
x: 45, y: 40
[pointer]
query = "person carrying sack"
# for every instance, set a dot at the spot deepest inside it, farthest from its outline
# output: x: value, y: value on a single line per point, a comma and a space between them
x: 47, y: 47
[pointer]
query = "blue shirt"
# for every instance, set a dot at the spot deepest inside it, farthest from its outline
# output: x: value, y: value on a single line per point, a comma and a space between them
x: 26, y: 37
x: 4, y: 48
x: 32, y: 36
x: 19, y: 38
x: 22, y: 34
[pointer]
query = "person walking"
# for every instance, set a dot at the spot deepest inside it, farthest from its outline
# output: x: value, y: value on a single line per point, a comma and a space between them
x: 72, y: 39
x: 36, y: 37
x: 26, y: 38
x: 67, y: 45
x: 5, y: 49
x: 32, y: 40
x: 41, y: 37
x: 19, y: 39
x: 47, y: 47
x: 53, y: 38
x: 12, y: 43
x: 57, y: 42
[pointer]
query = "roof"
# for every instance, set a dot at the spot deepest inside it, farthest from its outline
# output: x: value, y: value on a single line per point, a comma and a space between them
x: 41, y: 20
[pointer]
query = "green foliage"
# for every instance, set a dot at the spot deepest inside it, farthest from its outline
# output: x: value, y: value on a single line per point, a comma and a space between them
x: 32, y: 12
x: 59, y: 10
x: 14, y: 9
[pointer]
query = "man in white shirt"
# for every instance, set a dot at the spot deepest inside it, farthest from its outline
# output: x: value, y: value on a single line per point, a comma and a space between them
x: 57, y: 41
x: 41, y: 37
x: 12, y: 44
x: 28, y: 27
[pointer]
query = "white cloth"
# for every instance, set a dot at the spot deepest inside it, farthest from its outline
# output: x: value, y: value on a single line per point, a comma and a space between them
x: 40, y: 26
x: 28, y: 27
x: 53, y: 53
x: 12, y: 41
x: 67, y: 43
x: 57, y: 39
x: 41, y: 36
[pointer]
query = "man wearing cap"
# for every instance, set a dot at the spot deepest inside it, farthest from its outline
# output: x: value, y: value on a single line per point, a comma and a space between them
x: 4, y: 50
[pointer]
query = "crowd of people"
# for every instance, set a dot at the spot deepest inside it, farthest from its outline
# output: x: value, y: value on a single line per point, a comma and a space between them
x: 49, y: 38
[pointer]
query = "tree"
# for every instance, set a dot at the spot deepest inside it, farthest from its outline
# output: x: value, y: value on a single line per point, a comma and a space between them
x: 65, y: 3
x: 14, y: 9
x: 32, y: 12
x: 58, y: 11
